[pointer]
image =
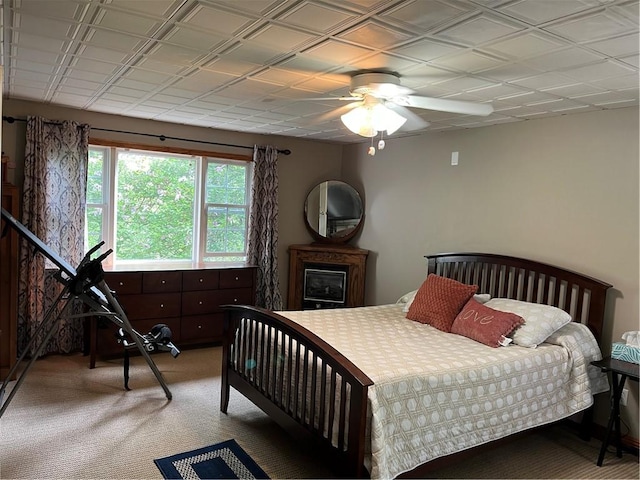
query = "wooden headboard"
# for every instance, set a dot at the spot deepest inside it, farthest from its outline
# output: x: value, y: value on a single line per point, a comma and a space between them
x: 581, y: 296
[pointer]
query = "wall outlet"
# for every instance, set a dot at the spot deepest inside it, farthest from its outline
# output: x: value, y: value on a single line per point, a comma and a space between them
x: 623, y: 397
x: 454, y: 158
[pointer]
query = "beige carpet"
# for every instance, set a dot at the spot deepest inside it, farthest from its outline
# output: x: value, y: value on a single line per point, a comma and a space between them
x: 68, y: 421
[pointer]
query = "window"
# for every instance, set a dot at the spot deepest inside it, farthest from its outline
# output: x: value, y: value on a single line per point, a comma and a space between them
x: 227, y: 212
x: 152, y: 206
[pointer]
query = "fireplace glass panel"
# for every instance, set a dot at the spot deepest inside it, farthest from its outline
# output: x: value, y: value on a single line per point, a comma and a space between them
x: 324, y: 287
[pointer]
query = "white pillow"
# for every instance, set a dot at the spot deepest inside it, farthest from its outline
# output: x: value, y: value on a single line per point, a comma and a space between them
x: 540, y: 320
x: 407, y: 299
x: 482, y: 297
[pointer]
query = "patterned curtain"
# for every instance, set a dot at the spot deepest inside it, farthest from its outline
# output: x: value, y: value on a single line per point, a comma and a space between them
x: 262, y: 249
x: 53, y: 208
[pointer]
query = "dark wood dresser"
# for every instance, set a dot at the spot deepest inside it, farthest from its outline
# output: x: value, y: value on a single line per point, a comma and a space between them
x: 187, y: 300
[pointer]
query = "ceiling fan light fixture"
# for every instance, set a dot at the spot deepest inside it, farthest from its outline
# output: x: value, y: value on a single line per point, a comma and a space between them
x: 372, y: 117
x: 385, y: 119
x: 359, y: 122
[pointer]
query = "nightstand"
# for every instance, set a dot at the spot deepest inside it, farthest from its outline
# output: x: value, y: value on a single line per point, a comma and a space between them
x: 624, y: 369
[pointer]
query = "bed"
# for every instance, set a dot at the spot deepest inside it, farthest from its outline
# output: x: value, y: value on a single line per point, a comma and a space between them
x: 383, y: 401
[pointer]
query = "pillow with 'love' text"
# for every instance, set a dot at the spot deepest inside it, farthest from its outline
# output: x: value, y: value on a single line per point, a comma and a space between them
x: 485, y: 325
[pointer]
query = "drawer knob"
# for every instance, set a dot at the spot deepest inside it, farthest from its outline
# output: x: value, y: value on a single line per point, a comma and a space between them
x: 200, y: 302
x: 162, y: 305
x: 163, y: 282
x: 201, y: 280
x: 121, y: 283
x: 199, y: 326
x: 237, y: 278
x: 235, y: 300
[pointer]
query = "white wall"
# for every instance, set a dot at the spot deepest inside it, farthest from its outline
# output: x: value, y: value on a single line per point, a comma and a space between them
x: 562, y: 190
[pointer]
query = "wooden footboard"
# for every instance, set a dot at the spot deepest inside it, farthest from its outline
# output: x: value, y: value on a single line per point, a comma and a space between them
x: 299, y: 380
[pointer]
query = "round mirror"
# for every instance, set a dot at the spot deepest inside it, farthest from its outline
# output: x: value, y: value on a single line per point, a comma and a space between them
x: 333, y: 212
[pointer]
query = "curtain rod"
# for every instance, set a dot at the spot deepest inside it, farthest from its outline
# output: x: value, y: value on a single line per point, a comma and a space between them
x: 162, y: 138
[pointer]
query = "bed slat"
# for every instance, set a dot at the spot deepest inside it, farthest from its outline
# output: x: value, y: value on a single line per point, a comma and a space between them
x: 581, y: 296
x: 297, y: 395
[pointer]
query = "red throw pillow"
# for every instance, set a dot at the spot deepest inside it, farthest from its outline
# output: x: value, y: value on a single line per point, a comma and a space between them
x: 484, y: 324
x: 439, y: 300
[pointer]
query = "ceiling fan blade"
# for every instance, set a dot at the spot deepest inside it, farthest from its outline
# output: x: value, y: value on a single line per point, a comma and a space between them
x: 414, y: 122
x: 319, y: 99
x: 335, y: 113
x: 446, y: 105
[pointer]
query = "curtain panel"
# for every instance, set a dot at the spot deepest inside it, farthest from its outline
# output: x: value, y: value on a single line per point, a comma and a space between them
x: 53, y: 208
x: 262, y: 247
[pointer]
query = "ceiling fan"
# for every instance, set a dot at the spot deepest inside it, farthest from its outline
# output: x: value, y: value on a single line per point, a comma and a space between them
x: 379, y: 103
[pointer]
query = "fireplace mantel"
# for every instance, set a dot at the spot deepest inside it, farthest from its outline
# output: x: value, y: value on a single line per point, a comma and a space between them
x: 331, y: 256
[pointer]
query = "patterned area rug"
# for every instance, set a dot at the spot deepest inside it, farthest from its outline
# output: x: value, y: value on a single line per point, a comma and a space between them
x: 222, y: 460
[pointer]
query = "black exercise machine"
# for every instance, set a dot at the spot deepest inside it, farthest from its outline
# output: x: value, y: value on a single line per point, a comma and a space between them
x: 86, y: 283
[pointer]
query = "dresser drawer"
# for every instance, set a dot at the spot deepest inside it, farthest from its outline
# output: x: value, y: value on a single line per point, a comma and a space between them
x: 201, y: 328
x: 236, y: 278
x: 236, y: 296
x: 124, y: 283
x: 200, y: 302
x: 151, y: 305
x: 189, y: 301
x: 156, y: 282
x: 200, y: 280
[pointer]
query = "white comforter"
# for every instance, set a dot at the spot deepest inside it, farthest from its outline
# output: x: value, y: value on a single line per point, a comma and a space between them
x: 438, y: 393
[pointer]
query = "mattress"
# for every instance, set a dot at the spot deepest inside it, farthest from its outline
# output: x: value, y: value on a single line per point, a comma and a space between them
x: 438, y: 393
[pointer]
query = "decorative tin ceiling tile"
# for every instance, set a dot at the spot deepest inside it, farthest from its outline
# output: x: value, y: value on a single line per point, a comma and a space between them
x: 214, y: 20
x: 181, y: 60
x: 560, y: 59
x: 317, y: 17
x: 427, y: 50
x: 478, y: 30
x: 335, y: 52
x: 427, y: 15
x: 374, y: 35
x: 536, y: 12
x: 597, y: 26
x: 281, y: 38
x: 525, y: 45
x: 469, y: 62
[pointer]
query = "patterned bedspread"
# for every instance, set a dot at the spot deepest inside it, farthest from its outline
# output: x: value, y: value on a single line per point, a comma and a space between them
x: 438, y: 393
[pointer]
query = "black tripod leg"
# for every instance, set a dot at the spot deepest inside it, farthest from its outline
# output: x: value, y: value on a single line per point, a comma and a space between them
x: 126, y: 369
x: 122, y: 321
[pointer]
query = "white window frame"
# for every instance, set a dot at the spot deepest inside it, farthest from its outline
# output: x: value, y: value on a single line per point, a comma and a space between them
x: 207, y: 161
x: 108, y: 199
x: 199, y: 254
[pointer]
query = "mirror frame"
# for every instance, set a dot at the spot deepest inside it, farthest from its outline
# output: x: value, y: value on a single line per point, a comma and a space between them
x: 332, y: 240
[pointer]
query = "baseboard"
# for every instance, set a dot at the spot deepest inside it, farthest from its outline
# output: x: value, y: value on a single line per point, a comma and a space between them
x: 629, y: 444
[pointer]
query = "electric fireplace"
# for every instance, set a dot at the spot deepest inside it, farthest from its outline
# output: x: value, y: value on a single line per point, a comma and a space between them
x: 325, y: 286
